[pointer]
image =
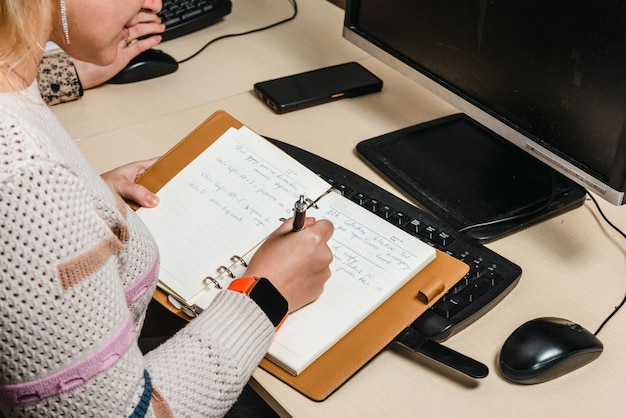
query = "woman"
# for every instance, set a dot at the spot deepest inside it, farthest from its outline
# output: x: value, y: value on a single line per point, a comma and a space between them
x: 78, y: 268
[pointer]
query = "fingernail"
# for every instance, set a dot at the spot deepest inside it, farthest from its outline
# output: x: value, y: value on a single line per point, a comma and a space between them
x: 152, y: 200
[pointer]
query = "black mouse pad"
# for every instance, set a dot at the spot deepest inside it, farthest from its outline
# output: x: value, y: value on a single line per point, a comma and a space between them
x: 470, y: 177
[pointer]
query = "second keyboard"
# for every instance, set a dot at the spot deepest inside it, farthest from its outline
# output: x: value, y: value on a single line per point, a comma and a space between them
x: 182, y: 17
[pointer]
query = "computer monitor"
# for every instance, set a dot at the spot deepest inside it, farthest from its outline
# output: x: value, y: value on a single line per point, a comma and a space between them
x: 548, y: 77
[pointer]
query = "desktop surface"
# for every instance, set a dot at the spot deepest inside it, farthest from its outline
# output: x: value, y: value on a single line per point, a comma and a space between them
x: 573, y: 265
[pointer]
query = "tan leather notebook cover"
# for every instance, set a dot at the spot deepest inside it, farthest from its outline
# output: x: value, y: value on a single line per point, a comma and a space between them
x: 364, y: 341
x: 187, y: 149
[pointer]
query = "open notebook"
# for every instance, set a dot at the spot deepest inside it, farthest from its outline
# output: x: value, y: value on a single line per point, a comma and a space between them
x: 218, y: 206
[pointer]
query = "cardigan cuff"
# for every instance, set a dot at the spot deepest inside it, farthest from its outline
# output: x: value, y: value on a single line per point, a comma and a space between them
x: 57, y: 78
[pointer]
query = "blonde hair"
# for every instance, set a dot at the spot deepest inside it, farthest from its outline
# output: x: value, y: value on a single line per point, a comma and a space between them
x: 22, y: 26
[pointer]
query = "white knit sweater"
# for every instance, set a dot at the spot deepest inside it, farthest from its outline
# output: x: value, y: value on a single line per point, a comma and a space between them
x: 77, y: 270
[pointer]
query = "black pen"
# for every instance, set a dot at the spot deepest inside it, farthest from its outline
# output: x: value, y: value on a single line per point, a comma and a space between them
x: 299, y: 214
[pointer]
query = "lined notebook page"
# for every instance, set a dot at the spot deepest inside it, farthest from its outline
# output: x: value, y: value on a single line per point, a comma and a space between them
x: 225, y: 202
x: 372, y: 259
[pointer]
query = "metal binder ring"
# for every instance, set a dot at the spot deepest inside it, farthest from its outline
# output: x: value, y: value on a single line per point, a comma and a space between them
x: 210, y: 279
x: 189, y: 311
x: 223, y: 269
x: 311, y: 203
x: 241, y: 261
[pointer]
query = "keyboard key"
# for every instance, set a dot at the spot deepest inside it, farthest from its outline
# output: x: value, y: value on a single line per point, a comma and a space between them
x: 493, y: 277
x: 460, y: 286
x: 191, y: 14
x: 359, y: 198
x: 372, y: 205
x: 342, y: 188
x: 448, y: 307
x: 385, y: 211
x: 173, y: 21
x: 478, y: 288
x: 443, y: 239
x: 345, y: 190
x: 427, y: 232
x: 413, y: 227
x: 398, y: 218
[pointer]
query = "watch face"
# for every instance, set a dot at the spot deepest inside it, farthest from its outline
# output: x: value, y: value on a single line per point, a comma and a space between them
x: 270, y: 300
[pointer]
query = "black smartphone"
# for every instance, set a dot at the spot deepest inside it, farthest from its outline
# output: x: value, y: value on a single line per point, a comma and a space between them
x: 319, y: 86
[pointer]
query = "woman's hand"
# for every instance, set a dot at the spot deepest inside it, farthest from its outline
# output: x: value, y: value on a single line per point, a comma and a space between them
x: 92, y: 75
x: 122, y: 181
x: 297, y: 263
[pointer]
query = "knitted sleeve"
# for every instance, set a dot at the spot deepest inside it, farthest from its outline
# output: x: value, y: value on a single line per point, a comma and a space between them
x: 201, y: 371
x: 57, y: 78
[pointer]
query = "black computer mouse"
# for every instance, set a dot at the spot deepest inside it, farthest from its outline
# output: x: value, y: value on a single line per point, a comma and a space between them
x: 546, y: 348
x: 148, y: 64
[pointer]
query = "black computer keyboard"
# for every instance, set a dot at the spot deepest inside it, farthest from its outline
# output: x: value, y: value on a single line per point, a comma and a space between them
x: 491, y: 276
x: 181, y: 17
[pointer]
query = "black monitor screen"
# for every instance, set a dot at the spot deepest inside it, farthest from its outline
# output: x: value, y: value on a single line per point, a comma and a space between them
x: 553, y: 70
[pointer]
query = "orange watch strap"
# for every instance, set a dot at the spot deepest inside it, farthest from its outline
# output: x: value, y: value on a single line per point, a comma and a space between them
x: 243, y: 285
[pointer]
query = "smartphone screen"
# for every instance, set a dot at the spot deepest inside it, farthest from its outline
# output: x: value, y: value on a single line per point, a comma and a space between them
x: 318, y: 86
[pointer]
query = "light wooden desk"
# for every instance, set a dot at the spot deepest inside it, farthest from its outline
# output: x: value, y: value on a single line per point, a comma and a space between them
x: 573, y: 265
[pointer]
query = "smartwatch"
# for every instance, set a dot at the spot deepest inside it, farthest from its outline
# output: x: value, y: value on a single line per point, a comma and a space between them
x: 263, y: 292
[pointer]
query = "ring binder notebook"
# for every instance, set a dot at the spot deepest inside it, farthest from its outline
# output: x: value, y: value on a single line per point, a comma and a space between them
x: 189, y: 306
x: 225, y: 188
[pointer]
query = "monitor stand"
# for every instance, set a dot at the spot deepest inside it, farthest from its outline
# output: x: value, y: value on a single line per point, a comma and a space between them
x: 470, y: 177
